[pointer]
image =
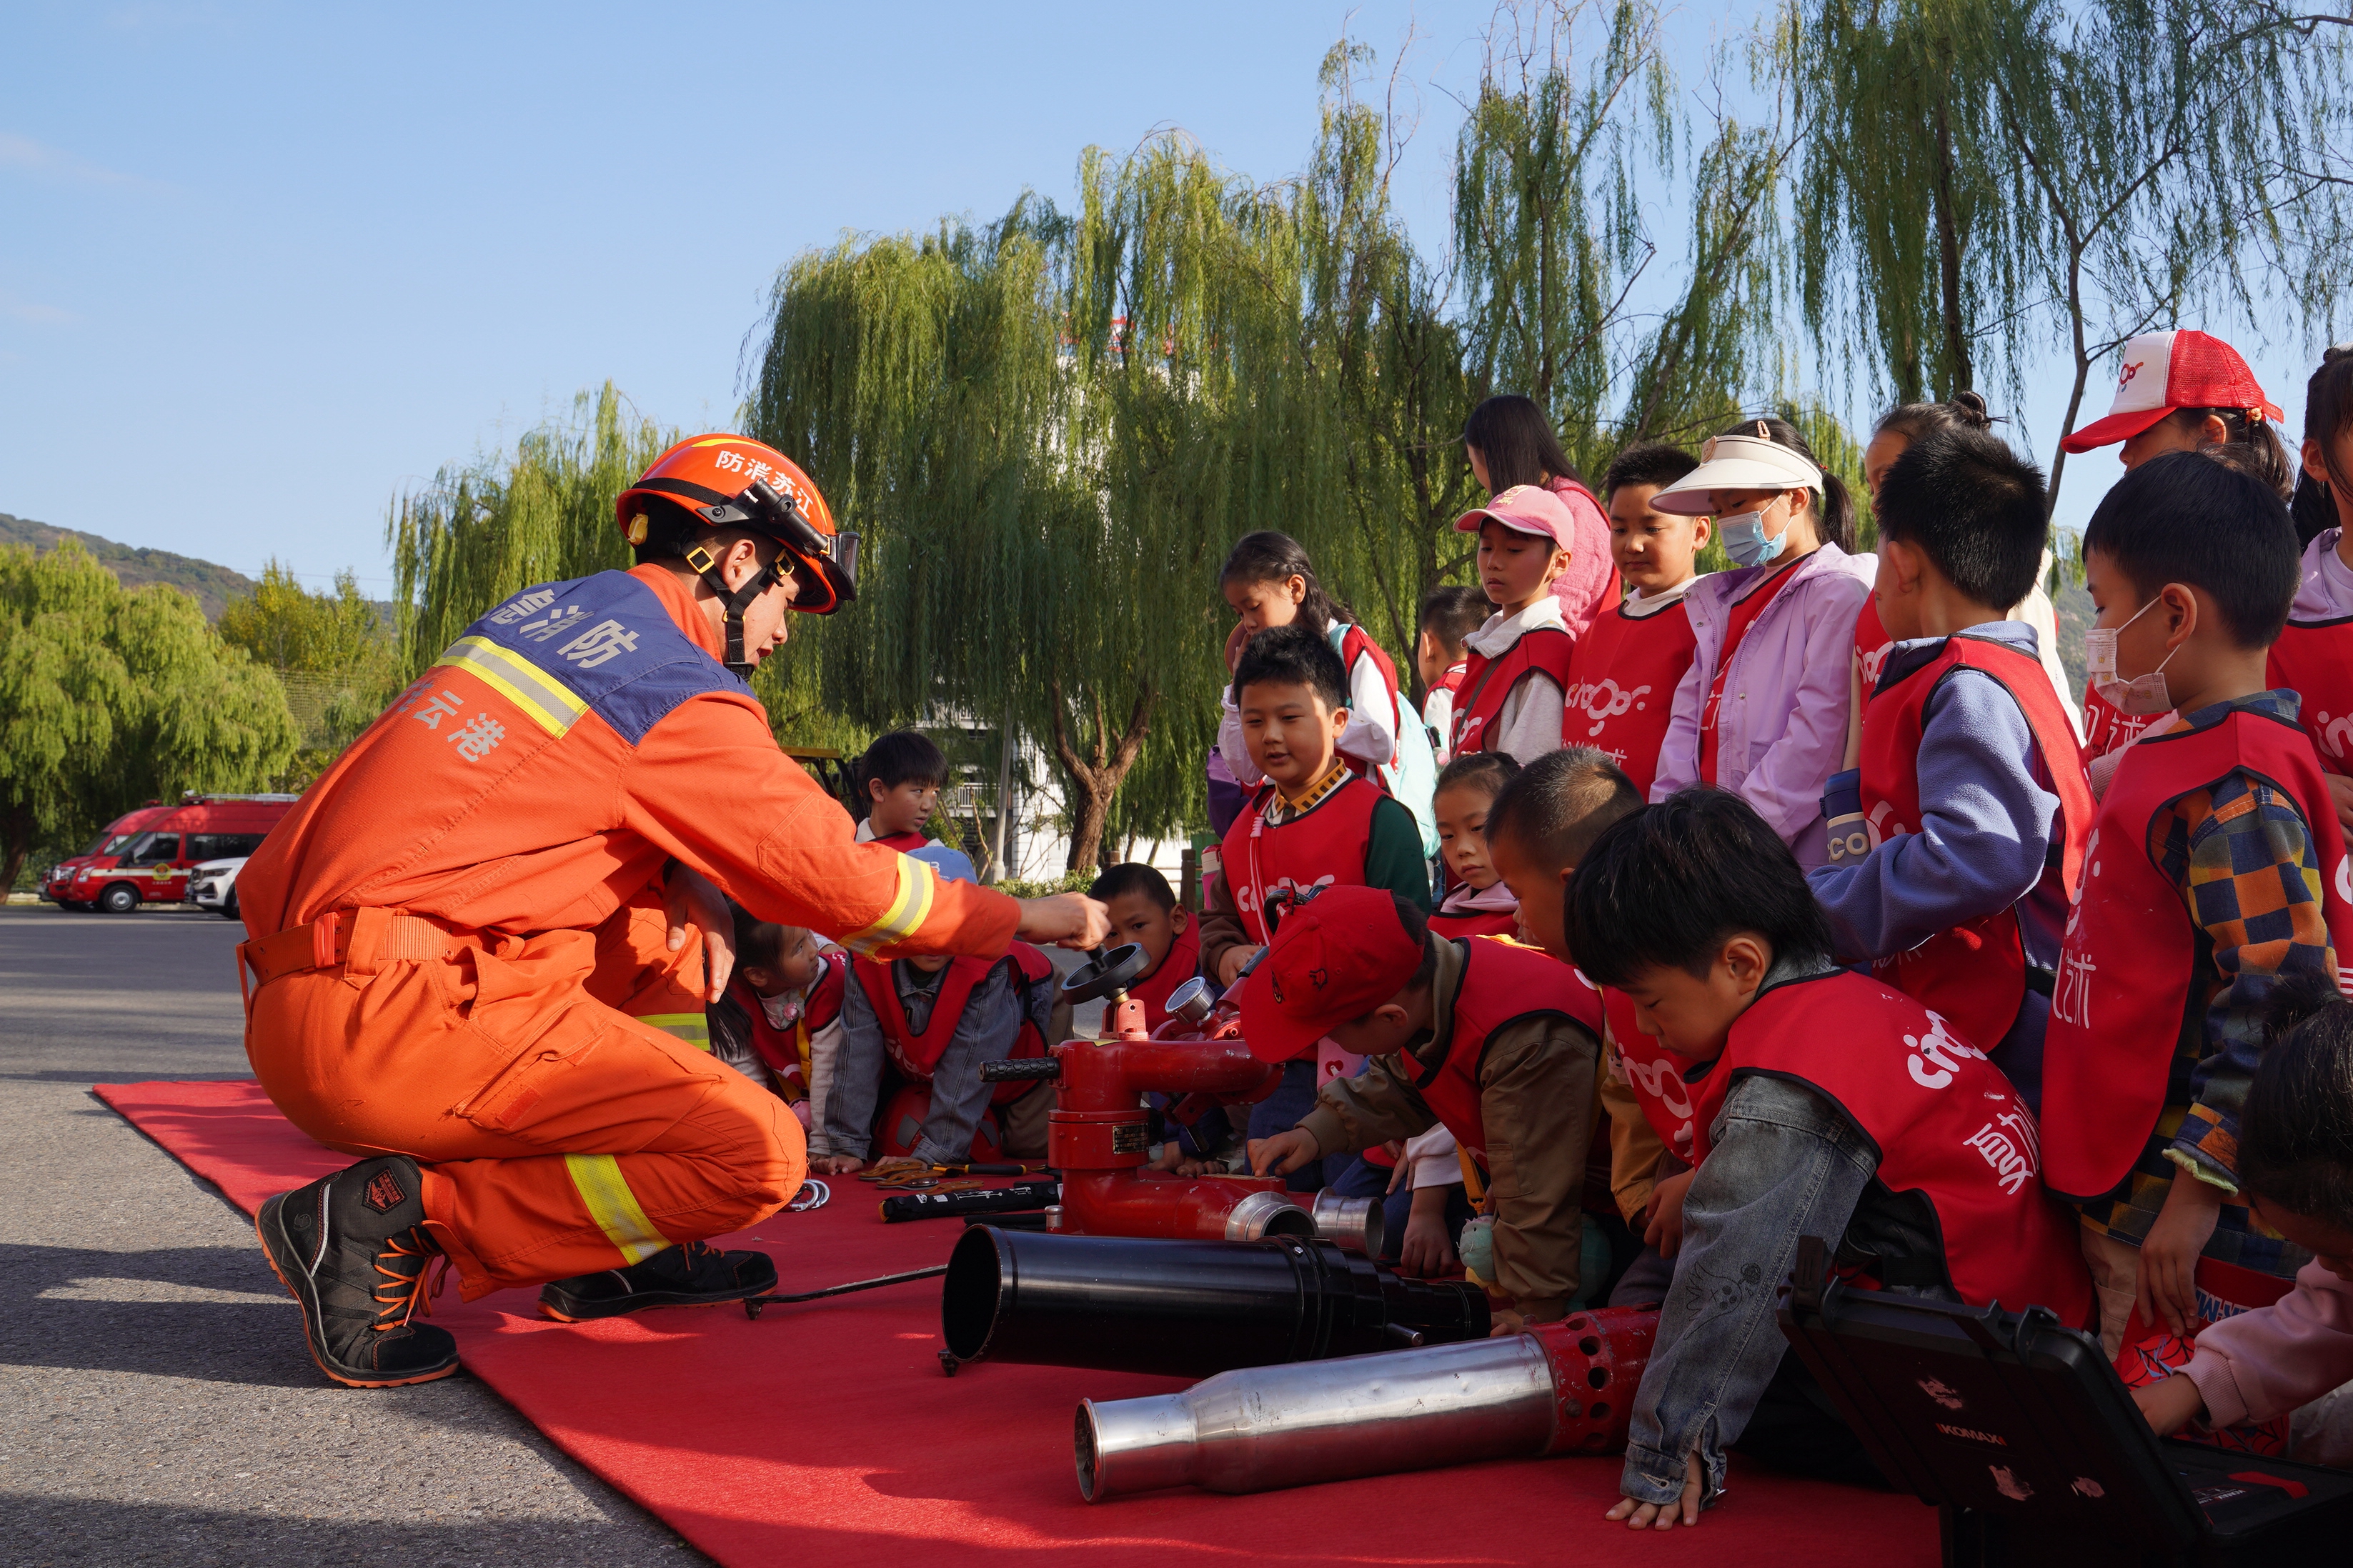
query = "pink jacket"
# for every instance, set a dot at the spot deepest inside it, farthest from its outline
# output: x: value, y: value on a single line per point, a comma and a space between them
x: 1781, y: 730
x: 2265, y: 1362
x: 1582, y: 588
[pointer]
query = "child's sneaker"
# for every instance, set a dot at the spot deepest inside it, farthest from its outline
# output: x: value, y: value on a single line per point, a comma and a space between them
x: 353, y: 1248
x: 690, y: 1275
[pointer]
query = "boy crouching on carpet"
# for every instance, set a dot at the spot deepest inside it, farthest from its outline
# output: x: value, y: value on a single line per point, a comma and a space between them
x: 1493, y: 1040
x: 935, y: 1020
x: 1825, y: 1105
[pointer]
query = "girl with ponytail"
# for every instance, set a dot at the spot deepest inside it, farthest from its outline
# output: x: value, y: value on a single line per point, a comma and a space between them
x: 1510, y: 442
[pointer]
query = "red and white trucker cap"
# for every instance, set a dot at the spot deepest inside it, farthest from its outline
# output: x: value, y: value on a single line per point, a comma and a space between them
x: 2165, y: 371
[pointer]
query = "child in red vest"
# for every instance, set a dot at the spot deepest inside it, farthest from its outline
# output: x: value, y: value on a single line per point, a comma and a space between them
x: 2215, y: 870
x: 1312, y: 824
x: 1449, y: 615
x: 1477, y: 902
x: 2178, y: 391
x: 1825, y: 1105
x: 2314, y: 656
x: 1269, y: 583
x: 1510, y: 696
x: 1956, y: 846
x: 1144, y: 910
x: 1493, y: 1040
x: 779, y: 1023
x: 1623, y: 676
x: 900, y: 779
x: 2295, y: 1161
x: 933, y: 1020
x: 1539, y: 827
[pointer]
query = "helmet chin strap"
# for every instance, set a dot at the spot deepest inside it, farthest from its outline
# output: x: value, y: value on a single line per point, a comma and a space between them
x: 734, y: 601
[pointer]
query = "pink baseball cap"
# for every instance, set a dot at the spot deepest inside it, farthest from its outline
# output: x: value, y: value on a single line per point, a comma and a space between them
x: 2165, y: 371
x: 1526, y: 509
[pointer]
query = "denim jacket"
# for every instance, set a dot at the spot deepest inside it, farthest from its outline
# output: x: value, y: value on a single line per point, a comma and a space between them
x: 1785, y: 1164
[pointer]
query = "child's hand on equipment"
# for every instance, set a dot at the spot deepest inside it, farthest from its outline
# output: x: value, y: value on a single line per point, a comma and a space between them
x: 1665, y: 1229
x: 2169, y: 1405
x: 1428, y: 1251
x: 837, y: 1164
x: 1402, y: 1169
x: 1507, y: 1322
x: 2166, y: 1288
x: 1065, y: 920
x: 1639, y: 1515
x: 1231, y: 964
x: 1282, y: 1153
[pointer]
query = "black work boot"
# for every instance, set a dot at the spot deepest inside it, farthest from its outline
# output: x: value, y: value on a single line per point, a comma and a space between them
x: 690, y: 1275
x: 351, y: 1249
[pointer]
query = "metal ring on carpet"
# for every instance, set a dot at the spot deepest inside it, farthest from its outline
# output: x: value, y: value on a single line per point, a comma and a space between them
x: 814, y: 1194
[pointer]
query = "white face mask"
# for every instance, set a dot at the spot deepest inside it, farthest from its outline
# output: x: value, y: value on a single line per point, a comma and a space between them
x: 2144, y: 694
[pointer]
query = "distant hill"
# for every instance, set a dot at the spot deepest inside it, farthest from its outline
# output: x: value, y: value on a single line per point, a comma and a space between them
x: 213, y: 586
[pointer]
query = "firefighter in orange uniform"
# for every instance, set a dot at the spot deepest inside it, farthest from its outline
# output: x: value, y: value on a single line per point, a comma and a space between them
x: 481, y: 946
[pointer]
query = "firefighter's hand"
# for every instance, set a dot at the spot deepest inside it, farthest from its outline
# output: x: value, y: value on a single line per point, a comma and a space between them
x: 1065, y: 920
x: 1639, y: 1515
x: 1665, y: 1229
x: 1282, y: 1153
x: 690, y: 900
x: 2167, y: 1290
x: 2169, y: 1404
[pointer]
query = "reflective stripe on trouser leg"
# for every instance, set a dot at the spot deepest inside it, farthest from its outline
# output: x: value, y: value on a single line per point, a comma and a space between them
x: 692, y: 1028
x: 614, y: 1207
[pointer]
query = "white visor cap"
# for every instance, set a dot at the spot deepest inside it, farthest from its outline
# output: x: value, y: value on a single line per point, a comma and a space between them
x: 1737, y: 463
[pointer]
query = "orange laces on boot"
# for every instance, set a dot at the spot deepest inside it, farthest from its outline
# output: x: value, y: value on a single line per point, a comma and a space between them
x: 410, y: 1291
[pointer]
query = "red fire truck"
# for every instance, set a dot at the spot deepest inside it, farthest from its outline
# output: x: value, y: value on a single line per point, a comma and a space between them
x: 145, y: 857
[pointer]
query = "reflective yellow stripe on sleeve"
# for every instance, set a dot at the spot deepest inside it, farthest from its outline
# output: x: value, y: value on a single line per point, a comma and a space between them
x: 544, y: 700
x: 694, y: 1028
x: 614, y: 1207
x: 909, y: 908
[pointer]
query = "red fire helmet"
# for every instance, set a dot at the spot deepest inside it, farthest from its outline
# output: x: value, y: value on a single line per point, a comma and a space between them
x: 734, y: 481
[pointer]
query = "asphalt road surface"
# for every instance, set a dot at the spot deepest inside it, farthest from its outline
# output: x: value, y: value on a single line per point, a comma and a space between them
x: 157, y: 1405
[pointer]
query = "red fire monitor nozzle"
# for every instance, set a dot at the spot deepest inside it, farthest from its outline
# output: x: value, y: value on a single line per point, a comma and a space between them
x: 1099, y: 1130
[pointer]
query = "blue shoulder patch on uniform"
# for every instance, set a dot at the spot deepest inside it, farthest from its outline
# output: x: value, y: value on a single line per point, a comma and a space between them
x: 608, y: 640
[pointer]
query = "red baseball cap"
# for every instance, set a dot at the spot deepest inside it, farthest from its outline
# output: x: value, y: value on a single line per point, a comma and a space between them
x: 2165, y: 371
x: 1526, y: 509
x: 1336, y: 957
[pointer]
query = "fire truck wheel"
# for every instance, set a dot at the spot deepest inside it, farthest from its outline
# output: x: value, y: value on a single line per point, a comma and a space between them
x: 118, y: 900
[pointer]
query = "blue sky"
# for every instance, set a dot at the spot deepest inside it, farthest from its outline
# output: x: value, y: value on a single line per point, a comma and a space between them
x: 267, y: 267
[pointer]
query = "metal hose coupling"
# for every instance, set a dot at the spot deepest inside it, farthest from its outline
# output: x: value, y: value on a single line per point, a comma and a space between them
x: 1358, y: 1225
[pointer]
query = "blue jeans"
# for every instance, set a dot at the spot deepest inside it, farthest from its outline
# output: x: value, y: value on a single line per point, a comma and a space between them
x: 1281, y: 1111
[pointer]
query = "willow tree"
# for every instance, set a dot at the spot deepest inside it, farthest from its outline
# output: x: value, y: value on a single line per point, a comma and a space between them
x: 108, y: 697
x: 1984, y: 179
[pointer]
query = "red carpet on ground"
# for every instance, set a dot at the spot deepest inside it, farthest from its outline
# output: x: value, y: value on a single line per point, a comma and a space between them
x: 826, y: 1433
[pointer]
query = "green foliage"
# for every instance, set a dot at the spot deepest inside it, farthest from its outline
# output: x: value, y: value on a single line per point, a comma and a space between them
x: 332, y: 652
x: 478, y: 533
x: 212, y: 585
x: 110, y: 697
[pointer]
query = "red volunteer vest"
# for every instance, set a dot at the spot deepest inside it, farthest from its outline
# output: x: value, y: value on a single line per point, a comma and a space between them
x: 1488, y: 682
x: 1474, y: 922
x: 905, y: 843
x: 1621, y: 687
x: 1324, y: 848
x: 1975, y: 973
x: 916, y: 1053
x: 1181, y: 963
x: 2125, y: 970
x: 1872, y: 643
x: 1655, y: 1074
x: 1503, y: 983
x: 2107, y: 727
x: 2315, y: 659
x: 786, y: 1050
x: 1946, y: 1124
x: 1355, y: 644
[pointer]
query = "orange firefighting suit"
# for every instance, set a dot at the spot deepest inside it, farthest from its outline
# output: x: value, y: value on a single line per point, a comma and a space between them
x: 452, y: 931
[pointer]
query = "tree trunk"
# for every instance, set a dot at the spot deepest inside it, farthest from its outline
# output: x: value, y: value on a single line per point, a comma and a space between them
x: 16, y: 839
x: 1948, y: 257
x: 2075, y: 396
x: 1095, y: 779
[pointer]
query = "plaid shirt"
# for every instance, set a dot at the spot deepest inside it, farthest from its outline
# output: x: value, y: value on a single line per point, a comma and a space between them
x: 2242, y: 856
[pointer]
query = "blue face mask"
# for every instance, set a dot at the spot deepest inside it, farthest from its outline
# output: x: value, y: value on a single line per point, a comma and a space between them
x: 1744, y: 538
